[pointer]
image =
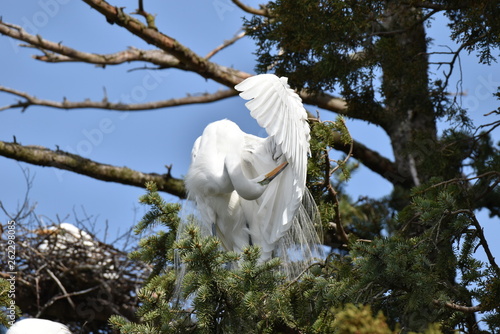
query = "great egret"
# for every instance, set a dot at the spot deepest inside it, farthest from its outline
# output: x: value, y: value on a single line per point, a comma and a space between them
x: 64, y: 235
x: 38, y: 326
x: 69, y: 241
x: 248, y: 189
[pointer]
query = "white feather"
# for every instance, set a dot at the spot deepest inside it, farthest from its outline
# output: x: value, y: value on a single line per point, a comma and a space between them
x: 38, y: 326
x: 227, y: 165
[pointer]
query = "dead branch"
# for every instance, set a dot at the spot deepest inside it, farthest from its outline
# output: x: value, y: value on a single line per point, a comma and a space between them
x: 224, y: 45
x: 456, y: 307
x: 42, y: 156
x: 30, y: 100
x: 172, y: 55
x: 224, y: 75
x: 156, y: 57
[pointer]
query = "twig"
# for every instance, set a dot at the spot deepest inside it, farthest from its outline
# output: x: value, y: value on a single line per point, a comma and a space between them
x: 61, y: 286
x: 333, y: 194
x: 296, y: 279
x: 482, y: 239
x: 456, y: 307
x: 56, y: 298
x: 263, y: 11
x: 224, y: 45
x: 460, y: 179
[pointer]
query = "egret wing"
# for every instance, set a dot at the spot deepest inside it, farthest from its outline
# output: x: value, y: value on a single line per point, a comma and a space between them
x: 279, y: 110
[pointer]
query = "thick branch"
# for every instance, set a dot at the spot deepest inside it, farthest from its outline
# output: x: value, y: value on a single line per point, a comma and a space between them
x: 192, y: 61
x: 371, y: 159
x: 42, y: 156
x: 30, y: 100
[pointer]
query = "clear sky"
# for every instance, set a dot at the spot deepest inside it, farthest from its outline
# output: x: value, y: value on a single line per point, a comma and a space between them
x: 147, y: 141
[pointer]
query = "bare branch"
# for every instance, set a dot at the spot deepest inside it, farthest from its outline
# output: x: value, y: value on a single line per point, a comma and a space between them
x: 61, y: 286
x: 57, y: 52
x: 456, y: 307
x: 263, y: 11
x: 30, y: 100
x: 461, y: 179
x: 326, y: 101
x: 42, y: 156
x: 368, y: 157
x: 157, y: 57
x: 224, y: 45
x: 192, y: 61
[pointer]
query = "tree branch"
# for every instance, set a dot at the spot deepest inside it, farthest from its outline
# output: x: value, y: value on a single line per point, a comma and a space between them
x: 226, y: 44
x: 192, y: 61
x: 57, y: 52
x: 263, y: 11
x: 456, y: 307
x: 42, y: 156
x: 30, y: 100
x: 368, y: 157
x: 327, y: 102
x: 157, y: 57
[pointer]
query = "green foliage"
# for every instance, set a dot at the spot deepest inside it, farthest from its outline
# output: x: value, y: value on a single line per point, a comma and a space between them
x: 407, y: 263
x: 224, y: 292
x: 7, y: 303
x: 158, y: 248
x: 318, y: 37
x: 359, y: 320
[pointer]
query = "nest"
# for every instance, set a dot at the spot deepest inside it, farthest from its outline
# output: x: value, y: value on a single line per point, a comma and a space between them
x: 72, y: 278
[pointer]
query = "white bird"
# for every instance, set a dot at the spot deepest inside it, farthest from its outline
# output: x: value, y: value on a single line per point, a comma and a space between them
x: 249, y: 189
x: 70, y: 241
x: 38, y: 326
x: 65, y: 234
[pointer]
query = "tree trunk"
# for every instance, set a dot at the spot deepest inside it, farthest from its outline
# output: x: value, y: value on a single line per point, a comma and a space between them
x: 410, y: 120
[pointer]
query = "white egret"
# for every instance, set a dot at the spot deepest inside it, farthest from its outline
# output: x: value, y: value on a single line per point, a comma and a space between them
x: 38, y: 326
x: 72, y: 242
x: 248, y: 189
x: 65, y: 234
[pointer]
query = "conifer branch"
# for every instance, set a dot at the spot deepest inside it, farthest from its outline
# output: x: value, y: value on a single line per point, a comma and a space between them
x: 41, y: 156
x: 482, y: 240
x: 461, y: 179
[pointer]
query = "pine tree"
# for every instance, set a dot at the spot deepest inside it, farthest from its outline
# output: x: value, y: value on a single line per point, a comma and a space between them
x: 408, y: 258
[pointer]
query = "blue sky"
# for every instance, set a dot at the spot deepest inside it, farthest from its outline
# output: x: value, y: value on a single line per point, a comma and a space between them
x: 147, y: 141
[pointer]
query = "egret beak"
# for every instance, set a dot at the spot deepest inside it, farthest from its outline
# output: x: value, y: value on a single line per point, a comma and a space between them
x: 272, y: 174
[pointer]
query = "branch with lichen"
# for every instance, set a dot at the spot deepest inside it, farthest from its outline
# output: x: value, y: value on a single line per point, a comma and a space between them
x: 41, y: 156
